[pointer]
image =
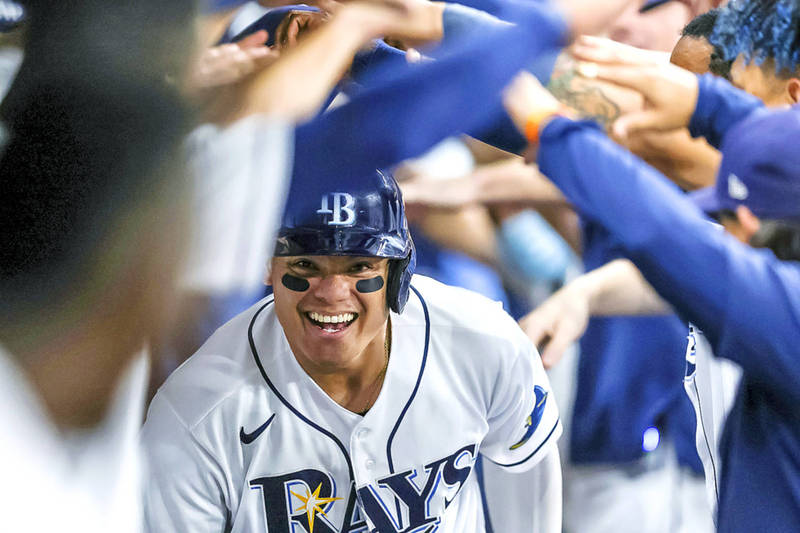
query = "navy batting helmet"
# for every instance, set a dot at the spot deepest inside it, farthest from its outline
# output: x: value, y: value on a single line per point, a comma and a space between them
x: 269, y: 22
x: 355, y: 217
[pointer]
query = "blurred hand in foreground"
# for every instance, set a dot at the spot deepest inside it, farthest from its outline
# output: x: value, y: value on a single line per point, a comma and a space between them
x: 557, y: 323
x: 230, y: 63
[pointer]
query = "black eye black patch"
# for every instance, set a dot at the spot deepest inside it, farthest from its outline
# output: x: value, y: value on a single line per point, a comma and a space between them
x: 370, y: 285
x: 293, y: 283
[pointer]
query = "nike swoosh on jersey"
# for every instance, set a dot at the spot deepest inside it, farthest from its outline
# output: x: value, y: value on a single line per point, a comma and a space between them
x: 247, y: 438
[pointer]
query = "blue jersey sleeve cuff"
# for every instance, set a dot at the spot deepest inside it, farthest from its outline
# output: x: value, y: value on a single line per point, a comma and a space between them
x: 534, y: 455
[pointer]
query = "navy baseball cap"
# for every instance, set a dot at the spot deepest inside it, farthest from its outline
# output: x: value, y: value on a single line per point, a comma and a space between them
x: 760, y: 168
x: 652, y: 4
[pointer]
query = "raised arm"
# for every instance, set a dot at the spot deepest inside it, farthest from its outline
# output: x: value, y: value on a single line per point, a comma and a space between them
x: 745, y: 300
x: 407, y: 114
x: 720, y: 106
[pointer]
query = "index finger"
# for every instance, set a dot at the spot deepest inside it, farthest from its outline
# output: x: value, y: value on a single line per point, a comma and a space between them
x: 602, y: 50
x: 632, y: 77
x: 533, y: 328
x: 253, y: 40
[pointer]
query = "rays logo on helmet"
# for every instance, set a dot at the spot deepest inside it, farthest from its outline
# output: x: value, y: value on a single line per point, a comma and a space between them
x: 343, y: 204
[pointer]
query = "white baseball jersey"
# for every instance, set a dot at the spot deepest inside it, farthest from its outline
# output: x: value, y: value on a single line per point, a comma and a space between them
x: 711, y: 384
x: 240, y: 178
x: 240, y: 438
x: 85, y: 481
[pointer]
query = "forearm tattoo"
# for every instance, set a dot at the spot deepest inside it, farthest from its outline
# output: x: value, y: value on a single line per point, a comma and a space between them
x: 584, y: 96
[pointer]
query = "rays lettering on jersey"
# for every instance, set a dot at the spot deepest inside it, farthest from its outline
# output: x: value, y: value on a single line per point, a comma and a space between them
x: 301, y: 498
x: 407, y: 502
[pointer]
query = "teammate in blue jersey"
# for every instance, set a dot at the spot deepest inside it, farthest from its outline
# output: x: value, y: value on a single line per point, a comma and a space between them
x: 710, y: 279
x: 747, y: 30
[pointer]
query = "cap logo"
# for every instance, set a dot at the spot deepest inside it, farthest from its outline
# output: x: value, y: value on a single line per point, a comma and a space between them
x: 736, y: 188
x: 342, y: 213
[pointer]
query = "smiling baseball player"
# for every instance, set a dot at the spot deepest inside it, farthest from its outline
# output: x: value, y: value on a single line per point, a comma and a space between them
x: 356, y: 397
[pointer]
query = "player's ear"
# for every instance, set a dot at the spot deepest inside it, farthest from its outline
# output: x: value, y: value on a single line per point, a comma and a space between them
x: 268, y: 276
x: 793, y: 88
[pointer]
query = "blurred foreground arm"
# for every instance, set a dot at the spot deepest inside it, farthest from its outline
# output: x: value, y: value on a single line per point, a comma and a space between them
x: 509, y: 181
x: 296, y: 84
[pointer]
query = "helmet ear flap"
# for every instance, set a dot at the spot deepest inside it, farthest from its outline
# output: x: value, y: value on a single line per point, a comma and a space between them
x: 398, y: 282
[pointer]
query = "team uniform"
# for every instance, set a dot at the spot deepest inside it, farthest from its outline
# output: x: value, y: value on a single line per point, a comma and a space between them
x: 745, y: 300
x: 72, y: 481
x: 241, y: 439
x: 711, y: 385
x: 628, y: 387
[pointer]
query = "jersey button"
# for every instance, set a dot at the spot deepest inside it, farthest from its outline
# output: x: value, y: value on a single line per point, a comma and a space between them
x: 369, y: 464
x: 362, y: 433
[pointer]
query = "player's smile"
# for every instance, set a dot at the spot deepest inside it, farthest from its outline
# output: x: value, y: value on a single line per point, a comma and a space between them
x: 332, y: 308
x: 331, y: 322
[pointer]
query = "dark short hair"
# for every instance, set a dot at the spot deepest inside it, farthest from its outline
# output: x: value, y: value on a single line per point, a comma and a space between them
x: 782, y: 237
x: 701, y: 27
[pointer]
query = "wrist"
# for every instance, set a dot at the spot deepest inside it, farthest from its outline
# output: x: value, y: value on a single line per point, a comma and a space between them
x: 354, y: 21
x: 426, y: 24
x: 435, y: 20
x: 538, y: 119
x: 582, y: 289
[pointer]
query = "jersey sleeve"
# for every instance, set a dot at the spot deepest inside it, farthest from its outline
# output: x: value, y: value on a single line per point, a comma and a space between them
x: 184, y: 487
x: 406, y: 113
x: 720, y: 106
x: 524, y: 422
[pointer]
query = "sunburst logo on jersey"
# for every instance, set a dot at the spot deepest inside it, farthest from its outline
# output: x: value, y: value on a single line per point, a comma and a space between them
x: 313, y: 503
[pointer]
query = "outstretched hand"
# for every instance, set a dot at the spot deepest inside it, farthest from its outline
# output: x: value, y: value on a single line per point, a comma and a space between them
x: 230, y: 63
x: 592, y: 16
x: 557, y: 323
x: 670, y: 92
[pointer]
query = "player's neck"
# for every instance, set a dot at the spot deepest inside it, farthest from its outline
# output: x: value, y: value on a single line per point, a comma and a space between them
x: 357, y: 385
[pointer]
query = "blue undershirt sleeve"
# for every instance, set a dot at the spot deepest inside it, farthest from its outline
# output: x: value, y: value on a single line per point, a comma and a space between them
x: 745, y: 300
x: 384, y: 63
x: 402, y: 117
x: 507, y: 9
x: 720, y: 106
